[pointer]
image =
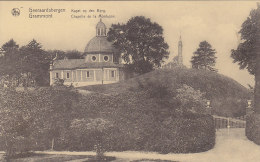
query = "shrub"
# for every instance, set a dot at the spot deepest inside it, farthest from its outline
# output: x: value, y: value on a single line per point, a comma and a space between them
x: 183, y: 135
x: 173, y: 135
x: 31, y: 119
x: 253, y: 128
x: 191, y: 100
x: 95, y: 132
x: 146, y: 120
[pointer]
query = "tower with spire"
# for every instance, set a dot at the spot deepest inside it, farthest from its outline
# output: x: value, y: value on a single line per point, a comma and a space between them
x: 177, y: 60
x: 180, y: 59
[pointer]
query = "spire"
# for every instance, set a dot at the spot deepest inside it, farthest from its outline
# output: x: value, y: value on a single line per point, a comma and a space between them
x: 180, y: 59
x: 180, y: 41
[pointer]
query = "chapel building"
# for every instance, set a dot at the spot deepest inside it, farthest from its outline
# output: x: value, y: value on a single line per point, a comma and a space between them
x: 99, y: 66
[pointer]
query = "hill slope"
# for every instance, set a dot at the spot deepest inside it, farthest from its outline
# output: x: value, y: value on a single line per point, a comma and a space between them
x: 227, y: 96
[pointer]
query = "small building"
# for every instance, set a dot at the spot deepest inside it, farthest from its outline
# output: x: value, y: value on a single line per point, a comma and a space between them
x: 101, y: 63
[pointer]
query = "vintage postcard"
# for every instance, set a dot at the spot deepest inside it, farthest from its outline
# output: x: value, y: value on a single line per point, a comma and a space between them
x: 129, y: 81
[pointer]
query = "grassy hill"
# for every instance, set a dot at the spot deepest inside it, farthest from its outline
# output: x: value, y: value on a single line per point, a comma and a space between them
x: 228, y: 97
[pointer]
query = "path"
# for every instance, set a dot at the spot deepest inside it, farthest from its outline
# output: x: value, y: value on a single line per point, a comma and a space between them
x: 231, y: 146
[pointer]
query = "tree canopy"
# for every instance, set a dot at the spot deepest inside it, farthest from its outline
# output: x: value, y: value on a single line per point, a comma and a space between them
x: 59, y: 54
x: 140, y: 42
x: 9, y: 64
x: 28, y: 65
x: 246, y: 52
x: 74, y: 54
x: 204, y: 57
x: 35, y: 62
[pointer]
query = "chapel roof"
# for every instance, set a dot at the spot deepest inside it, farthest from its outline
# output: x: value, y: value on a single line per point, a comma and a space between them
x: 99, y: 44
x: 67, y: 63
x: 71, y: 64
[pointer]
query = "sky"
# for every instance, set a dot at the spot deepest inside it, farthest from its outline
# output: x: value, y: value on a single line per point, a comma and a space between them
x: 217, y: 22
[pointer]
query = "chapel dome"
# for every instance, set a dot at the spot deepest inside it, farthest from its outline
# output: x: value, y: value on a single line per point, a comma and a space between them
x: 99, y: 45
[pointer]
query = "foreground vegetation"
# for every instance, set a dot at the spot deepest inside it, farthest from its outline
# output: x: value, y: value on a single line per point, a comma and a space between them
x: 253, y: 128
x: 149, y: 117
x: 166, y: 113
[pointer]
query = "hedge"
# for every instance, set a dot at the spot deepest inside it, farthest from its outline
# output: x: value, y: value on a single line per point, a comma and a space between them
x: 253, y: 128
x: 139, y: 123
x: 174, y: 135
x: 184, y: 135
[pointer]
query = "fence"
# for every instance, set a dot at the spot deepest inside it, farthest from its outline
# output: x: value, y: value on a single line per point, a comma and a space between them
x: 224, y: 122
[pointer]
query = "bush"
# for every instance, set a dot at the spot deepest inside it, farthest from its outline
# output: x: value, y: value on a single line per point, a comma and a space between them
x: 31, y: 119
x: 184, y: 135
x: 194, y: 133
x: 253, y: 128
x: 148, y: 120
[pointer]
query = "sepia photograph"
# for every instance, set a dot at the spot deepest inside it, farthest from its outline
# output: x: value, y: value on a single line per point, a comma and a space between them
x: 130, y: 81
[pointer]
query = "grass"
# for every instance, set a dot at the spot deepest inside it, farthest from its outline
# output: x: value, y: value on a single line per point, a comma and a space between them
x: 198, y: 79
x: 49, y: 158
x: 156, y: 160
x: 38, y: 157
x: 62, y: 158
x: 104, y: 159
x: 227, y: 96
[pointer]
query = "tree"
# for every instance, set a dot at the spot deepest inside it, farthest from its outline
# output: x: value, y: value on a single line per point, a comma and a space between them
x: 33, y: 119
x: 24, y: 66
x: 35, y: 63
x: 10, y: 65
x: 141, y: 43
x: 58, y: 54
x: 55, y: 54
x: 204, y: 57
x: 74, y: 54
x: 17, y: 113
x: 247, y: 53
x: 95, y: 129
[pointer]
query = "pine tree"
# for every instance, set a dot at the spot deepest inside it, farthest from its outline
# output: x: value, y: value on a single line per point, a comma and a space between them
x: 204, y: 57
x: 10, y: 65
x: 35, y: 63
